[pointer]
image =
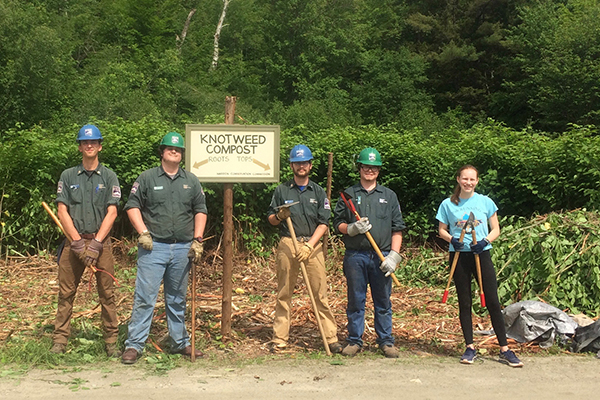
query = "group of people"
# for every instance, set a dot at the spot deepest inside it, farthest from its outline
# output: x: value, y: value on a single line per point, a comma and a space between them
x: 167, y: 208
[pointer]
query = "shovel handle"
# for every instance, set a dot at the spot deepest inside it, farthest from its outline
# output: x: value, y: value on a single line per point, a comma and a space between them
x: 478, y: 267
x: 453, y: 267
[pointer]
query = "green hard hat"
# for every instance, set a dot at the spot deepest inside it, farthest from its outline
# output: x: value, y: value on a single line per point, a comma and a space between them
x: 369, y: 156
x: 172, y: 139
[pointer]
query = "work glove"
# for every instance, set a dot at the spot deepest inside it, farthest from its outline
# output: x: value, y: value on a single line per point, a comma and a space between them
x: 145, y: 240
x: 78, y: 248
x: 304, y: 252
x: 478, y: 247
x: 458, y: 246
x: 283, y: 213
x: 195, y: 253
x: 92, y: 252
x: 388, y: 265
x: 361, y: 226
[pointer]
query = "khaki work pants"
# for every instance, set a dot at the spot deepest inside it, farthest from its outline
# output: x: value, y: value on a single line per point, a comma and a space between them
x: 70, y: 270
x: 287, y: 275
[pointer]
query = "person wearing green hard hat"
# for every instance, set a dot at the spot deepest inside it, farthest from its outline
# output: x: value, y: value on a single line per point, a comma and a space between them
x: 381, y: 216
x: 87, y: 198
x: 167, y: 208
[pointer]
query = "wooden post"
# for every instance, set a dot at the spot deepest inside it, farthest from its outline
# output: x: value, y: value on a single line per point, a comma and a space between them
x: 328, y: 191
x: 227, y: 234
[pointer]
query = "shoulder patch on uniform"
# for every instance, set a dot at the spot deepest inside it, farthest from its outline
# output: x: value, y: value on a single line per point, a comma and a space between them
x: 135, y: 187
x: 116, y: 192
x: 59, y: 189
x: 326, y: 204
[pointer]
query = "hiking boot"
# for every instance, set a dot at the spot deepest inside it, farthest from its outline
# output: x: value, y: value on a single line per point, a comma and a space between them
x: 469, y: 356
x: 275, y: 347
x: 510, y: 358
x: 336, y: 348
x: 58, y: 348
x: 187, y: 351
x: 112, y: 350
x: 350, y: 350
x: 389, y: 351
x: 130, y: 356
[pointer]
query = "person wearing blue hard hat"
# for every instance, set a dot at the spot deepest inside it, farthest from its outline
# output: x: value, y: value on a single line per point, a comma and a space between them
x: 309, y: 211
x: 87, y: 198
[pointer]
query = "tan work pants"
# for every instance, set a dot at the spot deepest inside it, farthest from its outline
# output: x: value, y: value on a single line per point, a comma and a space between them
x: 70, y: 270
x: 287, y: 274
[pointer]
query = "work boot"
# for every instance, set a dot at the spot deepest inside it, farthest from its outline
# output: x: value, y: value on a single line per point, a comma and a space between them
x: 389, y: 351
x: 187, y: 351
x: 336, y: 348
x: 275, y: 347
x: 58, y: 348
x: 130, y: 356
x: 112, y: 350
x: 350, y: 350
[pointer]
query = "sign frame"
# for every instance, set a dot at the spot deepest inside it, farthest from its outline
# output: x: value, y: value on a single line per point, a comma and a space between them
x: 195, y: 155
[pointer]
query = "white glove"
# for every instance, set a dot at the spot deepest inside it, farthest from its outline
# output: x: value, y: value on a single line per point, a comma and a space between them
x: 388, y: 265
x: 361, y: 226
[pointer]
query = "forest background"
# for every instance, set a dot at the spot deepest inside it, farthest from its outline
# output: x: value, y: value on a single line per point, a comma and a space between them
x: 511, y: 86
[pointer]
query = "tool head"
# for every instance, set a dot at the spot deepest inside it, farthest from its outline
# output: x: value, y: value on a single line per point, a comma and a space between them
x: 287, y: 205
x: 470, y: 221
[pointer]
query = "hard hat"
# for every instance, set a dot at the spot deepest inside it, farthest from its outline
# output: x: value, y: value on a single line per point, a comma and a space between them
x: 369, y: 156
x: 300, y: 153
x: 173, y: 139
x: 89, y: 132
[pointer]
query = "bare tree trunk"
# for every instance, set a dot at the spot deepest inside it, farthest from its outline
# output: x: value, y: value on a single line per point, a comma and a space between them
x: 181, y: 39
x: 215, y: 60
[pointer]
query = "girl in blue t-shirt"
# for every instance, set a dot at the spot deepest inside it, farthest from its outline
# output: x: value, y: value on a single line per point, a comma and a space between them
x: 452, y: 215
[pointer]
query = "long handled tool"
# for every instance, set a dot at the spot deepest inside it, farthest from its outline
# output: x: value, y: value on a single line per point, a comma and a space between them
x: 310, y: 292
x: 468, y: 223
x: 350, y: 205
x: 193, y: 338
x: 478, y: 267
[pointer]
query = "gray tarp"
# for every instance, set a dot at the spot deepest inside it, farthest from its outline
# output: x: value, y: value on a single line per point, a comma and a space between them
x: 533, y: 320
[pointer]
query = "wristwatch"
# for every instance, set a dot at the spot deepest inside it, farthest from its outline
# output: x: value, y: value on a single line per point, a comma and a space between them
x: 198, y: 239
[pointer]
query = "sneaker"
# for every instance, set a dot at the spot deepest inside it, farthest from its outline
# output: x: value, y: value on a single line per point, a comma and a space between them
x: 58, y: 348
x: 130, y: 356
x: 389, y: 351
x: 350, y: 350
x: 112, y: 350
x: 336, y: 348
x: 469, y: 356
x: 510, y: 358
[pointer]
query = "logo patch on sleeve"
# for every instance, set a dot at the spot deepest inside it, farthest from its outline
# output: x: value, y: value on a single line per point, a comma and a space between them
x: 59, y: 189
x: 116, y: 192
x: 135, y: 187
x: 326, y: 204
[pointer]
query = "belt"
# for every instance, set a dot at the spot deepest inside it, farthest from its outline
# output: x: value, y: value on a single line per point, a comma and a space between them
x: 171, y: 241
x: 301, y: 239
x: 88, y: 236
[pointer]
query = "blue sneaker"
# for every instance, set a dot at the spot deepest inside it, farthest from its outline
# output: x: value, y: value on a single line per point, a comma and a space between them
x: 469, y: 356
x: 510, y: 358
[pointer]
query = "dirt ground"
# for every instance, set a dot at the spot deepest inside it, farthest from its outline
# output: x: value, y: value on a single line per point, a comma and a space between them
x: 410, y: 377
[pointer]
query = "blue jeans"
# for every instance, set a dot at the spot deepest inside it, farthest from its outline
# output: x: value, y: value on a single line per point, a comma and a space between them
x: 361, y: 268
x: 168, y: 262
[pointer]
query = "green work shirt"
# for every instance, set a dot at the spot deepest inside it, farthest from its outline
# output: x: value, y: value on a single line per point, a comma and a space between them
x: 381, y: 206
x: 168, y: 205
x: 312, y: 210
x: 87, y: 195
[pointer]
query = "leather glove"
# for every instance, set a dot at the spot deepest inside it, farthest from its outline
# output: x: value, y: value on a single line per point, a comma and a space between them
x: 478, y: 247
x: 92, y: 252
x: 78, y: 248
x: 305, y: 252
x: 458, y: 246
x: 195, y: 253
x: 361, y: 226
x: 283, y: 213
x: 145, y: 240
x: 388, y: 265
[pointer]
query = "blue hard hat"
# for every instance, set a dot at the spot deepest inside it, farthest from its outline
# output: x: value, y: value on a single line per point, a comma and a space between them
x: 300, y: 153
x: 89, y: 132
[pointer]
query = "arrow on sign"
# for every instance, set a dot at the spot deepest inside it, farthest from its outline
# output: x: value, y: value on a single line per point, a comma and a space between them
x: 200, y: 163
x: 265, y: 166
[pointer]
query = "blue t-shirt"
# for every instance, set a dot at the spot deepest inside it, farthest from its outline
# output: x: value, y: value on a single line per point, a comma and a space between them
x: 455, y: 216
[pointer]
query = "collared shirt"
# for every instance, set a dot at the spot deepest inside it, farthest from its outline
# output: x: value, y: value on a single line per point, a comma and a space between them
x: 381, y: 206
x: 168, y: 205
x: 312, y: 211
x: 87, y: 195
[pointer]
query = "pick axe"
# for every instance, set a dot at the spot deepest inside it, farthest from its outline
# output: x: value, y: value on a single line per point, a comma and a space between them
x: 290, y: 226
x: 468, y: 223
x: 348, y: 200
